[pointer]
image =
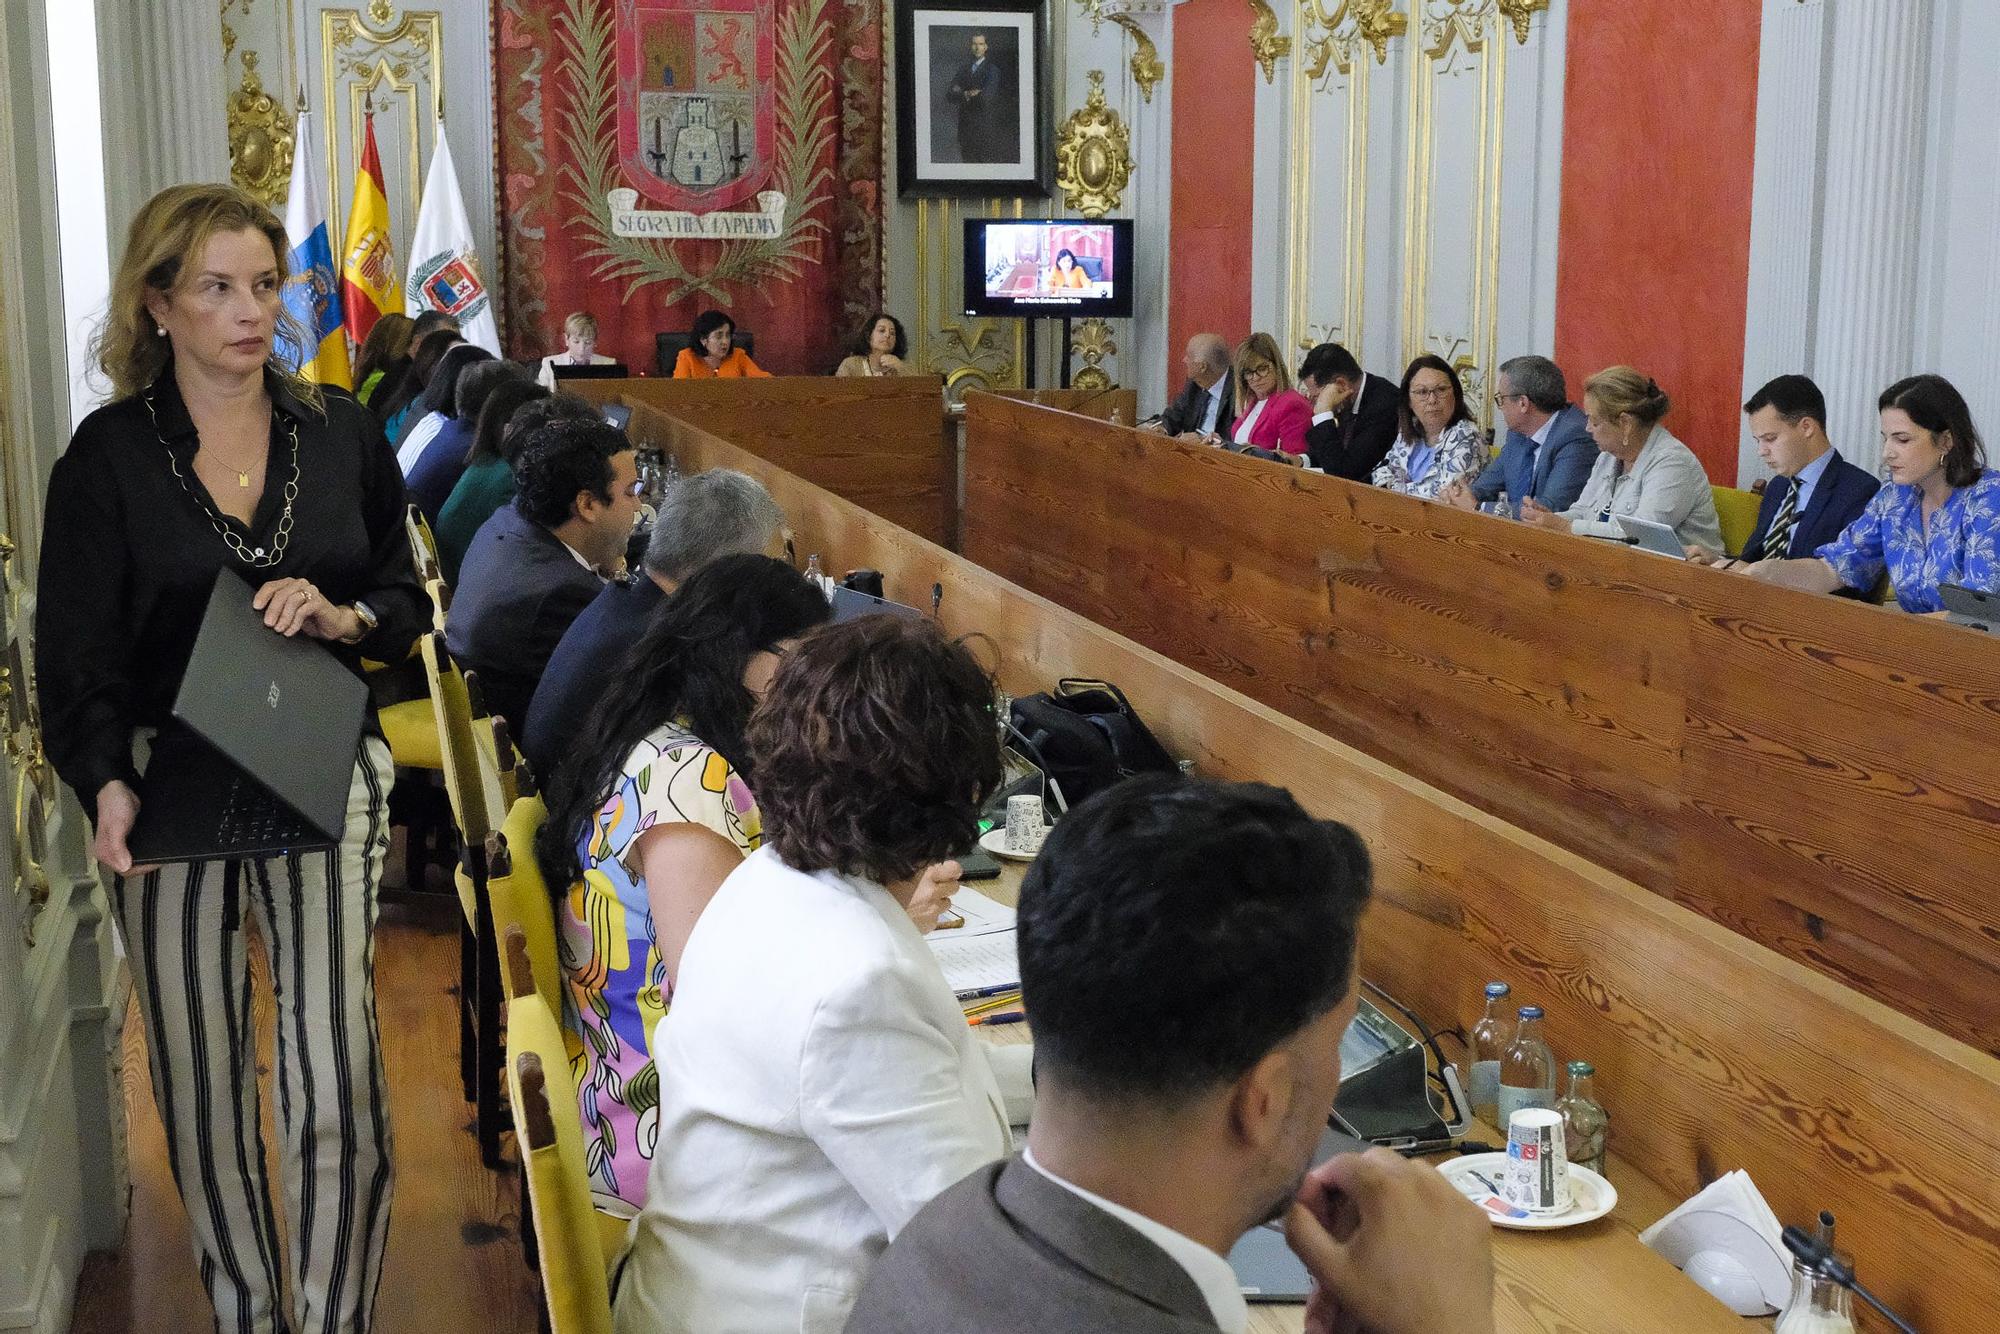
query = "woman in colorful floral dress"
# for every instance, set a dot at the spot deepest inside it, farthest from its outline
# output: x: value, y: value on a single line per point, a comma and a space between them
x: 648, y: 814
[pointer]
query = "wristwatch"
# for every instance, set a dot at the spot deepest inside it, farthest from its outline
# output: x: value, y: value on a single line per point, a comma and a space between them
x: 366, y: 615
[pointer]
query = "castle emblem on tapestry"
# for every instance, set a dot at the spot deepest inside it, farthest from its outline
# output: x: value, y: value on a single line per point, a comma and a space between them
x: 696, y: 113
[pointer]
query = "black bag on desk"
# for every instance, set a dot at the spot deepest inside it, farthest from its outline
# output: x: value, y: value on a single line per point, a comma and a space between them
x: 1087, y: 737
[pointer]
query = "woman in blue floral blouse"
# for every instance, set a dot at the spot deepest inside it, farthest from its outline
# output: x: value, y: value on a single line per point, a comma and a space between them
x: 1936, y: 521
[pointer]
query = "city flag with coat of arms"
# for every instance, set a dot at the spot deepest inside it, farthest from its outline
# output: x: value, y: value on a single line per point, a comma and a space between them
x: 444, y: 266
x: 369, y: 289
x: 312, y: 292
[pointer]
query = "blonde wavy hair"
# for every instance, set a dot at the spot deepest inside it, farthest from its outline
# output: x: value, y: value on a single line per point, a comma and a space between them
x: 169, y: 233
x: 1258, y: 347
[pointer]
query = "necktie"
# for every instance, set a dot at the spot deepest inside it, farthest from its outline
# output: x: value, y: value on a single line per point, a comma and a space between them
x: 1779, y: 539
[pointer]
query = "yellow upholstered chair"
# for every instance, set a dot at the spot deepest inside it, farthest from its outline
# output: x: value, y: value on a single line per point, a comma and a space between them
x: 576, y: 1244
x: 423, y: 543
x: 472, y: 785
x: 521, y: 896
x: 1738, y: 512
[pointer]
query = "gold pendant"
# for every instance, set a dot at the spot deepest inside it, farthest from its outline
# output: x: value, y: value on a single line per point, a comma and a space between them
x: 243, y: 480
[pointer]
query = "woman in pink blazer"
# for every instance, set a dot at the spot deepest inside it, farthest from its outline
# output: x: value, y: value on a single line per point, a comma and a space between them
x: 1275, y: 415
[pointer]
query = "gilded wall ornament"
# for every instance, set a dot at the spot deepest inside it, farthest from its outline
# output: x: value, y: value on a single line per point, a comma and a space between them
x: 1093, y: 155
x: 1519, y: 13
x: 1331, y: 38
x: 1147, y: 67
x: 260, y: 137
x: 1091, y: 340
x: 1266, y: 44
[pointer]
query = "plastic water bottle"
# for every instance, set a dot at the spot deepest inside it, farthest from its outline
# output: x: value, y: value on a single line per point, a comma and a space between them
x: 817, y: 577
x: 1585, y: 1126
x: 1527, y: 1070
x: 1482, y: 1058
x: 673, y: 475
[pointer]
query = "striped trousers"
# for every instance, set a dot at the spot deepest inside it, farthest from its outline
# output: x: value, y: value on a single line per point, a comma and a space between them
x: 191, y: 970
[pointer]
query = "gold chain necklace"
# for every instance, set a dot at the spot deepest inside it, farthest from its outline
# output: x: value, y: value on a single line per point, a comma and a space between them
x: 255, y: 557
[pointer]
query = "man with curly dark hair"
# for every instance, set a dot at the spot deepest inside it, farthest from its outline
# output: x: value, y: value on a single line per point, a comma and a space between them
x: 537, y: 563
x: 818, y: 1083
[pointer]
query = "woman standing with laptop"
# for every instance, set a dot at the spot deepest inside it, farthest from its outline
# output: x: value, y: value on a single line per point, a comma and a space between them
x: 216, y: 456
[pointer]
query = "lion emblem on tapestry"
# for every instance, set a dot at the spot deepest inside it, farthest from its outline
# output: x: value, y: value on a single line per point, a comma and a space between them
x: 696, y: 109
x: 662, y: 157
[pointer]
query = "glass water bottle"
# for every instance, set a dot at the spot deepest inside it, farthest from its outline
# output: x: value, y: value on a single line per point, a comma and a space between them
x: 1484, y: 1047
x: 1527, y: 1070
x: 1585, y: 1126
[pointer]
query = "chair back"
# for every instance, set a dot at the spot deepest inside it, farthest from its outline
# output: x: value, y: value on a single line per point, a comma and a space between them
x: 440, y: 596
x: 568, y: 1235
x: 423, y: 542
x: 1737, y: 511
x: 520, y: 895
x: 471, y: 782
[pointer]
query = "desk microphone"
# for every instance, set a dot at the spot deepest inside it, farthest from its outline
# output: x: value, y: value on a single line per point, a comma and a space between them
x: 1817, y: 1255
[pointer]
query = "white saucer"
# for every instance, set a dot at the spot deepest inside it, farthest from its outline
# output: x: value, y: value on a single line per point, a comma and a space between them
x: 1591, y: 1196
x: 995, y: 842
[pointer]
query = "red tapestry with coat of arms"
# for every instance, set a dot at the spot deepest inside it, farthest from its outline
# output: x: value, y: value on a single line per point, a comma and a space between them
x: 659, y: 158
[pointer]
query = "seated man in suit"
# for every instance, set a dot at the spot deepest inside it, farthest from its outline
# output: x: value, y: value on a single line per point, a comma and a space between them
x: 1815, y: 493
x: 1187, y: 957
x: 1354, y: 414
x: 1548, y: 452
x: 715, y: 513
x: 1203, y: 407
x: 537, y: 563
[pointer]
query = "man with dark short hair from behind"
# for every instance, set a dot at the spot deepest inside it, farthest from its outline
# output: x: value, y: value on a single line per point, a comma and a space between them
x: 1187, y: 959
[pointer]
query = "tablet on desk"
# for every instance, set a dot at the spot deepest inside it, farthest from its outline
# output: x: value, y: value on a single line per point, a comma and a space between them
x: 1658, y: 538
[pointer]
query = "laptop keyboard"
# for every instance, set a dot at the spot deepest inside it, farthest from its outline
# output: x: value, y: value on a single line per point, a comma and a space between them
x: 252, y: 819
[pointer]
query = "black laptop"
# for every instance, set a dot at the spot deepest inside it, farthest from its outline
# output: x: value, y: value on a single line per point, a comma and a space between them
x: 259, y: 756
x: 609, y: 370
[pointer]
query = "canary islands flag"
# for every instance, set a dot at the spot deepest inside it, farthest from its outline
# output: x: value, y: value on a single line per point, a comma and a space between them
x: 368, y: 287
x: 312, y: 293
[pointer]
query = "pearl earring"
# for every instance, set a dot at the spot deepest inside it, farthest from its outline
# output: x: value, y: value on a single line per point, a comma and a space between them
x: 160, y: 329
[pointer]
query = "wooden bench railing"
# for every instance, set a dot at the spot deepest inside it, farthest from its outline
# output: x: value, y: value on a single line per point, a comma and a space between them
x: 1821, y: 776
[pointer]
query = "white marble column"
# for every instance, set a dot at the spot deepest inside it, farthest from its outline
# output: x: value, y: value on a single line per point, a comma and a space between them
x: 164, y: 102
x: 1865, y: 319
x: 1785, y: 202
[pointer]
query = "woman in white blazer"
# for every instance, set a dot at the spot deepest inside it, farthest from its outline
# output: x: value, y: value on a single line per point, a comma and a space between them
x: 818, y: 1081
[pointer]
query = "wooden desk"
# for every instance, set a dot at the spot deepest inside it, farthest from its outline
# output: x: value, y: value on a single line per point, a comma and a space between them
x: 1820, y: 776
x: 1713, y: 1052
x: 1597, y: 1277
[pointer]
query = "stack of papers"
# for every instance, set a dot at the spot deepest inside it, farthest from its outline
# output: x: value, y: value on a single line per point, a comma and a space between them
x: 980, y: 954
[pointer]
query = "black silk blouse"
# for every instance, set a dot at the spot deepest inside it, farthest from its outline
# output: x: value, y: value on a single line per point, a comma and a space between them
x: 130, y: 550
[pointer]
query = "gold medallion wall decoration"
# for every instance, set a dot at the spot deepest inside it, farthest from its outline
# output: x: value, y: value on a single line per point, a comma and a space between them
x: 260, y: 137
x: 1093, y: 155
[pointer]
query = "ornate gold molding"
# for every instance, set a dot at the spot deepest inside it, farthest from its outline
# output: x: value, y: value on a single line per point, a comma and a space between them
x: 1331, y: 38
x: 260, y: 137
x: 1147, y: 67
x: 1092, y: 340
x: 1520, y: 13
x: 1266, y: 43
x: 971, y: 352
x: 1093, y: 155
x: 34, y: 784
x: 392, y: 61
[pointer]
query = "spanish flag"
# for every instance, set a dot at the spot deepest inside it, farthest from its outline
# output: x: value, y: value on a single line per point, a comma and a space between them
x: 368, y: 286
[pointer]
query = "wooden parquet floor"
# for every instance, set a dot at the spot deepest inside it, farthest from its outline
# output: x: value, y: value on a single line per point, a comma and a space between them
x: 454, y: 1262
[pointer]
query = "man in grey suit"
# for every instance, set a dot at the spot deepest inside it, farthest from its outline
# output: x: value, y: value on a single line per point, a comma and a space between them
x: 1548, y: 453
x: 1187, y: 954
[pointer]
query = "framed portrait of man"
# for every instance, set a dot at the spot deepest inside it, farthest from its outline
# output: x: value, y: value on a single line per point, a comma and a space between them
x: 972, y: 100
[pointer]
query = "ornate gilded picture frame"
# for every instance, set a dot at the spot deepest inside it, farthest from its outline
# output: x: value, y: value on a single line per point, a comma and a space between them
x: 973, y: 98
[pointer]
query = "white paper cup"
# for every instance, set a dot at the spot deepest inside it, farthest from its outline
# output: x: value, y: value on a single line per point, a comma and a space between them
x: 1025, y: 830
x: 1537, y: 1162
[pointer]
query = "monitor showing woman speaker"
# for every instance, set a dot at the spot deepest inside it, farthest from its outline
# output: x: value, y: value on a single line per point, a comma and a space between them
x: 1063, y: 267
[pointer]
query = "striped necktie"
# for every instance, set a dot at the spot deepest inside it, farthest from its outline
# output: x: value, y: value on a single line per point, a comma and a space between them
x: 1779, y: 539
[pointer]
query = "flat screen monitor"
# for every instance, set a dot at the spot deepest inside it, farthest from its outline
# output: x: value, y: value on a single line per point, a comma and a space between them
x: 1036, y: 268
x: 613, y: 370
